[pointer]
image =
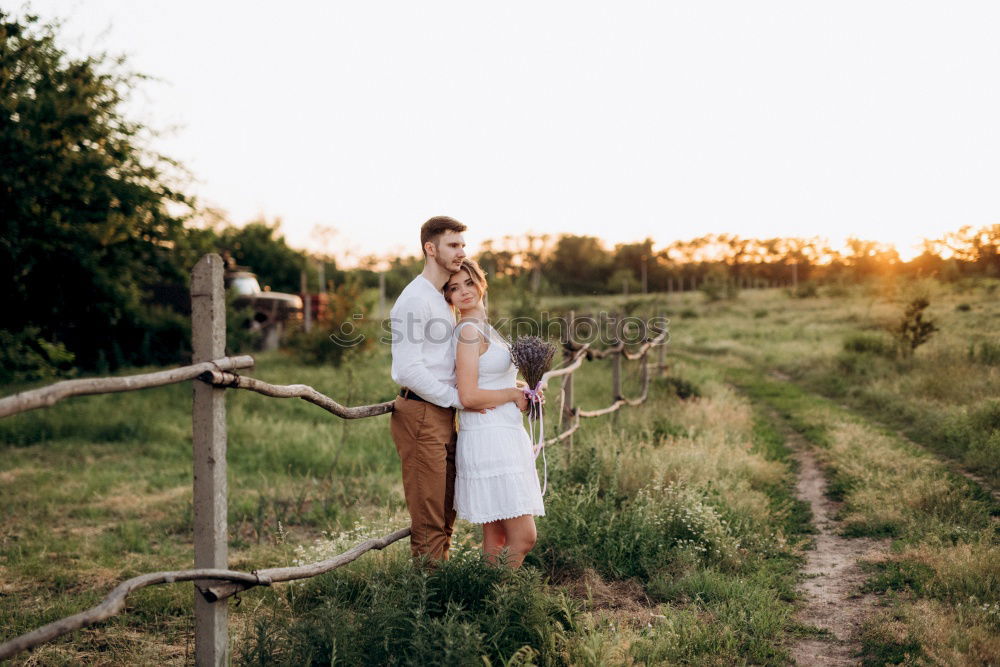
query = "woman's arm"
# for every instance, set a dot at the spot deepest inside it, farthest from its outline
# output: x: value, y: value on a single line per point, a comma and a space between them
x: 467, y: 374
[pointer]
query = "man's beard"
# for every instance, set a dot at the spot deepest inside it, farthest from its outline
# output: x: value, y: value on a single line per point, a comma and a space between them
x: 446, y: 266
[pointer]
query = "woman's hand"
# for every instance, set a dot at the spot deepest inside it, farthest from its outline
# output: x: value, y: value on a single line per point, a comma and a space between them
x: 520, y: 399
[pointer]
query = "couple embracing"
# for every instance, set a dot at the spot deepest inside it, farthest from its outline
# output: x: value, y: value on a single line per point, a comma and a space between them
x: 455, y: 369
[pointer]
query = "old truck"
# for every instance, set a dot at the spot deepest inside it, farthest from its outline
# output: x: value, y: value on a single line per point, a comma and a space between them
x: 273, y: 312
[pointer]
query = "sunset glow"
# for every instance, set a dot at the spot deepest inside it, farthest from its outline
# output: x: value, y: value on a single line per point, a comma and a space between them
x: 646, y: 119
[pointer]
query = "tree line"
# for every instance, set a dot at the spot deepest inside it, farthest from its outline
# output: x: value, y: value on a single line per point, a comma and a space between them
x: 570, y: 264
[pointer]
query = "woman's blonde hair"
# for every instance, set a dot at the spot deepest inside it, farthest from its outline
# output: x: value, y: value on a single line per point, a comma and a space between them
x: 477, y: 275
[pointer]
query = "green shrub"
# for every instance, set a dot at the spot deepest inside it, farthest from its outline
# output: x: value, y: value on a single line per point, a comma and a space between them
x: 913, y: 330
x: 862, y: 366
x: 665, y: 428
x: 717, y: 287
x: 26, y: 356
x: 837, y: 290
x: 346, y: 330
x: 869, y: 343
x: 986, y: 352
x: 985, y: 418
x: 681, y: 387
x: 805, y: 290
x: 461, y: 612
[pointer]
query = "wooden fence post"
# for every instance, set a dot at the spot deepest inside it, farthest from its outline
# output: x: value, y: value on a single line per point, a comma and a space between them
x: 616, y: 375
x: 616, y: 365
x: 566, y: 418
x: 211, y: 549
x: 616, y: 382
x: 662, y: 352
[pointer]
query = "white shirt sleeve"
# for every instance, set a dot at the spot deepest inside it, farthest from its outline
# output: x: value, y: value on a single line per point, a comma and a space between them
x: 409, y: 319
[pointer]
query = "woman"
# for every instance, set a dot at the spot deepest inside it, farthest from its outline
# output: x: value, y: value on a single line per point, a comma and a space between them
x: 496, y: 483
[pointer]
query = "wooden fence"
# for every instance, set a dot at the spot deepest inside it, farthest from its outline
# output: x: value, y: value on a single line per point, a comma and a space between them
x: 215, y: 373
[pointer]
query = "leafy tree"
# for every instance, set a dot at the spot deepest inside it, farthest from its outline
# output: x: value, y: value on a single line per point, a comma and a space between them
x: 87, y: 219
x: 978, y: 249
x: 870, y: 258
x: 630, y: 258
x: 401, y: 271
x: 581, y: 264
x: 260, y: 246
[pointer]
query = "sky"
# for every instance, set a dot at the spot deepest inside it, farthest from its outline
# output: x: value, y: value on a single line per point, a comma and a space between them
x: 356, y: 121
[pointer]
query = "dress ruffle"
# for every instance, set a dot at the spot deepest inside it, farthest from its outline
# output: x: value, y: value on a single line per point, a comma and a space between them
x: 496, y: 477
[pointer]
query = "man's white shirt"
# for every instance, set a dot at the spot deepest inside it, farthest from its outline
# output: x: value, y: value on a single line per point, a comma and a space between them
x: 423, y: 356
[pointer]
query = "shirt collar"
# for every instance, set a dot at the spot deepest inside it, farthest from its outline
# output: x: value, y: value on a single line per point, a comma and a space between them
x: 428, y: 282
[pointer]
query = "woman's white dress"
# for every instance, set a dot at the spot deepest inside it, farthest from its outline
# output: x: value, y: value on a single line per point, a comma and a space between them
x: 495, y: 468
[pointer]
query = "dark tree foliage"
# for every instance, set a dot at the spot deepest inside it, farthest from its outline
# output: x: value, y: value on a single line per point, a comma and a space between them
x: 87, y: 214
x: 580, y: 264
x: 261, y: 247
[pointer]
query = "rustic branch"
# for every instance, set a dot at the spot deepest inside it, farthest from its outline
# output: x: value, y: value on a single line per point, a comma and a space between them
x: 621, y: 400
x: 603, y: 411
x: 113, y: 603
x: 46, y: 396
x: 303, y: 391
x: 568, y: 432
x: 641, y: 351
x: 279, y: 574
x: 115, y: 600
x: 578, y: 359
x: 606, y: 352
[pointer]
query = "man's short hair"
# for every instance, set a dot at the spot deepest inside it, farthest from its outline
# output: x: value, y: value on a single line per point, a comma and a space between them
x: 437, y: 226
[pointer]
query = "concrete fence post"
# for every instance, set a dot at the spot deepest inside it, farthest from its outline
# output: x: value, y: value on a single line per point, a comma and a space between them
x: 211, y: 549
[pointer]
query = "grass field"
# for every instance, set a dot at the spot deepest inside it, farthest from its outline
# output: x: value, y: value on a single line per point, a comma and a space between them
x: 671, y: 535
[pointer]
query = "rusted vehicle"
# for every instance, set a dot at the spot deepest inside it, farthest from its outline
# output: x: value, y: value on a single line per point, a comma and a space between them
x: 273, y: 312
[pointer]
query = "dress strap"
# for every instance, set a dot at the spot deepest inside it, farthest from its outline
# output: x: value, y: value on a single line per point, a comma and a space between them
x: 459, y: 326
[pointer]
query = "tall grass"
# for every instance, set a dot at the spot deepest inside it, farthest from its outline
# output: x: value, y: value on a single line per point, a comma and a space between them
x: 693, y: 546
x: 942, y: 573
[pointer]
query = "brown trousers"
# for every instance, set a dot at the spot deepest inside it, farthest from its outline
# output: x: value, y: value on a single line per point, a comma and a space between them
x: 425, y: 439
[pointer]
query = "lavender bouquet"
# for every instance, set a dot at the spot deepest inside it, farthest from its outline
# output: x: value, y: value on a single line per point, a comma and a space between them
x: 533, y: 357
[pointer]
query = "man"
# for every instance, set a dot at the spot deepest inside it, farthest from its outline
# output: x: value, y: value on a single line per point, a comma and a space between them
x: 423, y: 364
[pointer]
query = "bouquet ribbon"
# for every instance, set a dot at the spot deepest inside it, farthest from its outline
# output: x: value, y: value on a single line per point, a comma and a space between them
x: 534, y: 397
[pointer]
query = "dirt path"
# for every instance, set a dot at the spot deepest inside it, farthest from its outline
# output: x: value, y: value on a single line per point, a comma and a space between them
x: 831, y: 593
